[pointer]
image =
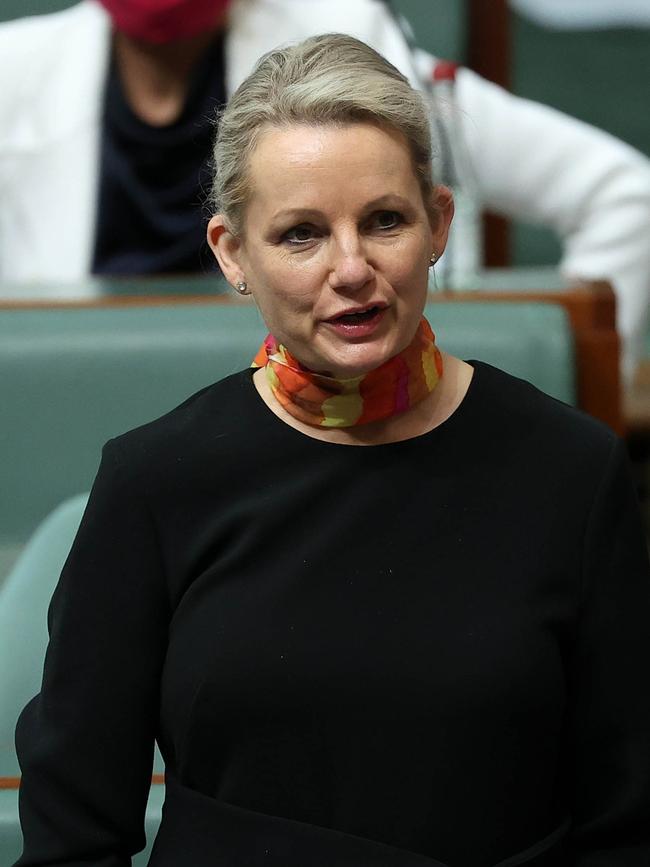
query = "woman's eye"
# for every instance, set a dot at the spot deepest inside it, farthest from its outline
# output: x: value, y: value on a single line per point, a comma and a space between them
x: 299, y: 235
x: 387, y: 219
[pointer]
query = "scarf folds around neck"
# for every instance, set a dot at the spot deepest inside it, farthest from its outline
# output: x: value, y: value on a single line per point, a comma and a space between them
x: 325, y: 401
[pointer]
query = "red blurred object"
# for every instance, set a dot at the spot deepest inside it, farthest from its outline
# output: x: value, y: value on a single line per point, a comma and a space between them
x: 161, y: 21
x: 445, y: 70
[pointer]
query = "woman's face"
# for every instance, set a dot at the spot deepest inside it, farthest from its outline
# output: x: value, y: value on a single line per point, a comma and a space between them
x: 336, y: 244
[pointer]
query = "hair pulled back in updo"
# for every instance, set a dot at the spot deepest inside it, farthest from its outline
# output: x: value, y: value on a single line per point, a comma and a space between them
x: 328, y: 79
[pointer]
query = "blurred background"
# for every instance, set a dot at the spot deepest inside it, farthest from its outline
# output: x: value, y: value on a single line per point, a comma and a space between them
x: 587, y: 58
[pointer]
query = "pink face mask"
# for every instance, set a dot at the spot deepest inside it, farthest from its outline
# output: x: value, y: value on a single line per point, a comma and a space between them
x: 164, y: 20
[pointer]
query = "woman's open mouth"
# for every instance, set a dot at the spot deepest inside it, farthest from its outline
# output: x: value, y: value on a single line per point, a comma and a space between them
x: 360, y: 323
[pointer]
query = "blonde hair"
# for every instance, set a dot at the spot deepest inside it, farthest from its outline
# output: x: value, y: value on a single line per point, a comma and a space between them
x: 328, y: 79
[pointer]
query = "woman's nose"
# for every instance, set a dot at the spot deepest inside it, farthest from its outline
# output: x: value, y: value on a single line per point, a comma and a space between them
x: 349, y: 267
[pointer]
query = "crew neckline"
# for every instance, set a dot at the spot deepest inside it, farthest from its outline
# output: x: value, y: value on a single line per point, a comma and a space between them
x: 266, y: 415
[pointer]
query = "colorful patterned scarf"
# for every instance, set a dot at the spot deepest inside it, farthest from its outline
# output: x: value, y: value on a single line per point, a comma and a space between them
x: 324, y: 401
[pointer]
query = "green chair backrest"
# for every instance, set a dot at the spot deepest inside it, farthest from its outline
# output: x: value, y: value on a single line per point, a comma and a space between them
x: 24, y: 599
x: 531, y: 340
x: 155, y: 359
x: 72, y: 378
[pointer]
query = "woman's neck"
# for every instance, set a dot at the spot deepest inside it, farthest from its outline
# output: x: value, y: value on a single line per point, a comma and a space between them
x: 156, y: 78
x: 419, y: 419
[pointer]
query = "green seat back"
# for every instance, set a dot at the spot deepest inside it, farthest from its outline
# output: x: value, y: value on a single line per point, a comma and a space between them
x: 530, y: 340
x: 72, y: 378
x: 24, y: 599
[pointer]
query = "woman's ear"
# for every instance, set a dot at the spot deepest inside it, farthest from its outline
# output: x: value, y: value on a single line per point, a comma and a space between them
x: 226, y: 248
x: 441, y: 214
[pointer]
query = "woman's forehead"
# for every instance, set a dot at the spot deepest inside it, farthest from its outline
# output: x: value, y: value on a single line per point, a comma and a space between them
x: 316, y: 140
x: 304, y: 162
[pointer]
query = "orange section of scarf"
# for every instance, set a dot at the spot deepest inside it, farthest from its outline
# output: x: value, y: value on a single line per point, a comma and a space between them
x: 324, y: 401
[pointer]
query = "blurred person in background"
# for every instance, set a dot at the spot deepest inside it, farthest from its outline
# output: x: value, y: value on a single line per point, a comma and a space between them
x: 580, y: 14
x: 105, y: 124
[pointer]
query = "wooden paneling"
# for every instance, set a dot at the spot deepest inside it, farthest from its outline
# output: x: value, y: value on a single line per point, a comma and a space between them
x: 488, y: 53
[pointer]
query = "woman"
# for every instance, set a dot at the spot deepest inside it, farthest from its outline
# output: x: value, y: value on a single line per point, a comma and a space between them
x: 379, y: 606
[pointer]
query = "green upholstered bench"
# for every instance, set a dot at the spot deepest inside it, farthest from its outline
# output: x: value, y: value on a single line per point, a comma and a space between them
x: 24, y: 599
x: 70, y: 378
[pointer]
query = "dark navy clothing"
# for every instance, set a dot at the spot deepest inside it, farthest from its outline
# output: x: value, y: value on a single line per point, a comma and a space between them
x: 429, y: 653
x: 153, y: 181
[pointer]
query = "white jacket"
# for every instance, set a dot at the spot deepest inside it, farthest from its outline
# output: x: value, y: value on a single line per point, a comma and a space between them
x: 530, y: 162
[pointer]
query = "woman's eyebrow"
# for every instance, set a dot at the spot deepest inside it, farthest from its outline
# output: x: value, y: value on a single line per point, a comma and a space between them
x: 297, y: 214
x: 386, y: 200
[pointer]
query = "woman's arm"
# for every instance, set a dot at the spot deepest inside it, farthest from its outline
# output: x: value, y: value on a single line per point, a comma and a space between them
x: 85, y: 743
x: 608, y: 745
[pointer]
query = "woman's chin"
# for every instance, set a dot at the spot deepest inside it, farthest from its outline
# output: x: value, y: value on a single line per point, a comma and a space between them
x: 355, y: 367
x: 343, y: 357
x: 346, y: 356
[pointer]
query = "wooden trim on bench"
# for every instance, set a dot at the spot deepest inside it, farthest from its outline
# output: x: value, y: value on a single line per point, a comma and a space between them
x: 9, y: 783
x: 116, y: 301
x: 14, y: 782
x: 636, y: 402
x: 489, y: 54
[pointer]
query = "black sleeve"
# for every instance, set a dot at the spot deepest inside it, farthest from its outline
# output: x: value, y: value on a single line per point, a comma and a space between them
x: 610, y: 683
x: 85, y: 743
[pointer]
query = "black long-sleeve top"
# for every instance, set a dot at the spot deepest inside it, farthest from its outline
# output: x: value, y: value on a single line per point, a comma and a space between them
x: 431, y: 652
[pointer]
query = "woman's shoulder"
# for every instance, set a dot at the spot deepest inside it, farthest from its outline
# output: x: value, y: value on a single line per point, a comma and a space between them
x: 215, y: 414
x: 516, y: 410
